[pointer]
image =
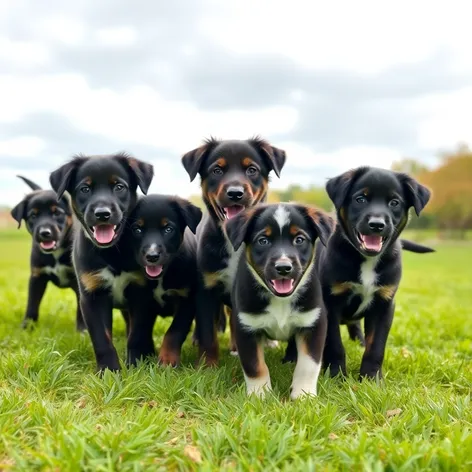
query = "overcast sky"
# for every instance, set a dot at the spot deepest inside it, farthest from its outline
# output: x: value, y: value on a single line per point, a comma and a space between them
x: 335, y: 84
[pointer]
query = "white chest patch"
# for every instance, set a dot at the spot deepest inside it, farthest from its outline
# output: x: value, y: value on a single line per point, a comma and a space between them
x: 227, y: 275
x: 281, y: 320
x: 367, y: 288
x: 63, y: 273
x: 282, y: 217
x: 118, y: 283
x: 159, y: 293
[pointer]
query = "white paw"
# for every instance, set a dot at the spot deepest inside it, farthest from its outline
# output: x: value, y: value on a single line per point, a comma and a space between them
x: 233, y: 353
x: 259, y: 387
x: 272, y: 343
x: 303, y: 388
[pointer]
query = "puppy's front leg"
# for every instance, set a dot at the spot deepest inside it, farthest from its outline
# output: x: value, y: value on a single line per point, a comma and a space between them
x: 36, y: 288
x: 334, y: 355
x: 310, y: 344
x: 377, y: 324
x: 97, y: 309
x: 251, y: 354
x: 80, y: 325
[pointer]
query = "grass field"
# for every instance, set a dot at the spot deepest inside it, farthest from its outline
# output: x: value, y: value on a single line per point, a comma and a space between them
x: 56, y: 414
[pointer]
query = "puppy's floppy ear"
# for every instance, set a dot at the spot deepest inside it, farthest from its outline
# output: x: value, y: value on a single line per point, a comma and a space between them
x: 61, y: 178
x: 19, y: 212
x: 320, y: 221
x: 274, y: 157
x: 143, y: 173
x: 193, y: 160
x: 190, y: 213
x: 338, y: 187
x: 417, y: 195
x: 29, y: 182
x: 237, y: 227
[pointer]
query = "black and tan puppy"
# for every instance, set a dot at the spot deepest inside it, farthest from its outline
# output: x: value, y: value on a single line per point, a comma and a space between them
x: 277, y: 293
x: 161, y: 235
x: 103, y: 191
x: 361, y: 267
x: 234, y: 176
x: 49, y: 221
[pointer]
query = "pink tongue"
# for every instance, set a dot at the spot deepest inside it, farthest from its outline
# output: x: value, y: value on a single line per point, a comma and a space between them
x: 104, y: 233
x: 47, y: 244
x: 153, y: 271
x: 283, y: 285
x: 233, y: 211
x: 373, y: 243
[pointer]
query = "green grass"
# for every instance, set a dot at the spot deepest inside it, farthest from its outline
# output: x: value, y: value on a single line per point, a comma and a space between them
x: 56, y: 414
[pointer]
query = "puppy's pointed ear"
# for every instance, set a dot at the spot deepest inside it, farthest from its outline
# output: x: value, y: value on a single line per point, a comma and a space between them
x: 193, y: 160
x: 274, y: 157
x: 338, y: 187
x: 142, y: 172
x: 417, y: 195
x: 322, y: 224
x: 237, y: 227
x: 190, y: 213
x: 61, y: 178
x: 19, y: 212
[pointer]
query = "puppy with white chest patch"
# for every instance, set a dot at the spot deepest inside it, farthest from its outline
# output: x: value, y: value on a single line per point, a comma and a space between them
x: 276, y: 292
x: 49, y: 221
x: 360, y: 268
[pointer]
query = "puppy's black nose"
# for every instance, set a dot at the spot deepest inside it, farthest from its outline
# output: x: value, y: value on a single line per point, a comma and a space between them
x: 235, y: 193
x: 45, y: 233
x: 283, y: 267
x: 376, y: 224
x: 102, y: 213
x: 152, y: 257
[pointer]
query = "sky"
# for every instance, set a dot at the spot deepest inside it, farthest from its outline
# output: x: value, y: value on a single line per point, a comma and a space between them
x: 335, y: 84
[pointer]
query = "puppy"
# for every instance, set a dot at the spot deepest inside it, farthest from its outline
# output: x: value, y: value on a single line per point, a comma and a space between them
x: 360, y: 269
x: 49, y: 221
x: 276, y: 292
x: 161, y: 235
x: 103, y: 191
x: 234, y: 176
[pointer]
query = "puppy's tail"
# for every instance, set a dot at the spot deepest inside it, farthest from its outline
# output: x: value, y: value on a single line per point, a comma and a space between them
x: 30, y: 183
x: 414, y: 247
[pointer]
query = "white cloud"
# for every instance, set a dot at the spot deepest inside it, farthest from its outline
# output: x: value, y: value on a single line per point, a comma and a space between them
x: 117, y: 37
x: 25, y: 146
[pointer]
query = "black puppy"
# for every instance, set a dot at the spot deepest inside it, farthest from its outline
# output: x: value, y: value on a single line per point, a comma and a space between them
x: 103, y: 193
x: 234, y: 176
x: 159, y: 234
x: 276, y: 290
x: 360, y: 269
x: 49, y: 221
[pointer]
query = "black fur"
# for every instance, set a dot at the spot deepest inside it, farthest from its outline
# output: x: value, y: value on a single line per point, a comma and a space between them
x: 234, y: 175
x: 49, y: 221
x: 276, y: 292
x: 364, y: 251
x: 103, y: 192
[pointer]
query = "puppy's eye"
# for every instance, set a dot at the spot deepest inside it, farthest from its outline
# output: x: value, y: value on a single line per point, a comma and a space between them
x: 218, y: 171
x: 263, y: 241
x: 168, y: 229
x: 251, y: 171
x: 361, y: 199
x: 299, y: 240
x: 393, y: 203
x: 137, y: 230
x: 119, y: 187
x: 85, y: 189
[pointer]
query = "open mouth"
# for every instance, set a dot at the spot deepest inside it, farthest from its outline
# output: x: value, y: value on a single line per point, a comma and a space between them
x: 48, y: 245
x: 104, y: 234
x: 153, y: 272
x: 371, y: 242
x: 282, y: 286
x: 230, y: 212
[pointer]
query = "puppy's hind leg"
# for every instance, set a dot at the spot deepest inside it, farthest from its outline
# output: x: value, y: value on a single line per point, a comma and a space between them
x: 355, y: 332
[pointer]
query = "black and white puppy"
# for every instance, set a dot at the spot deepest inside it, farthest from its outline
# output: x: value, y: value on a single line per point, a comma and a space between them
x: 103, y: 191
x: 49, y: 221
x: 276, y: 291
x: 361, y: 267
x: 161, y: 235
